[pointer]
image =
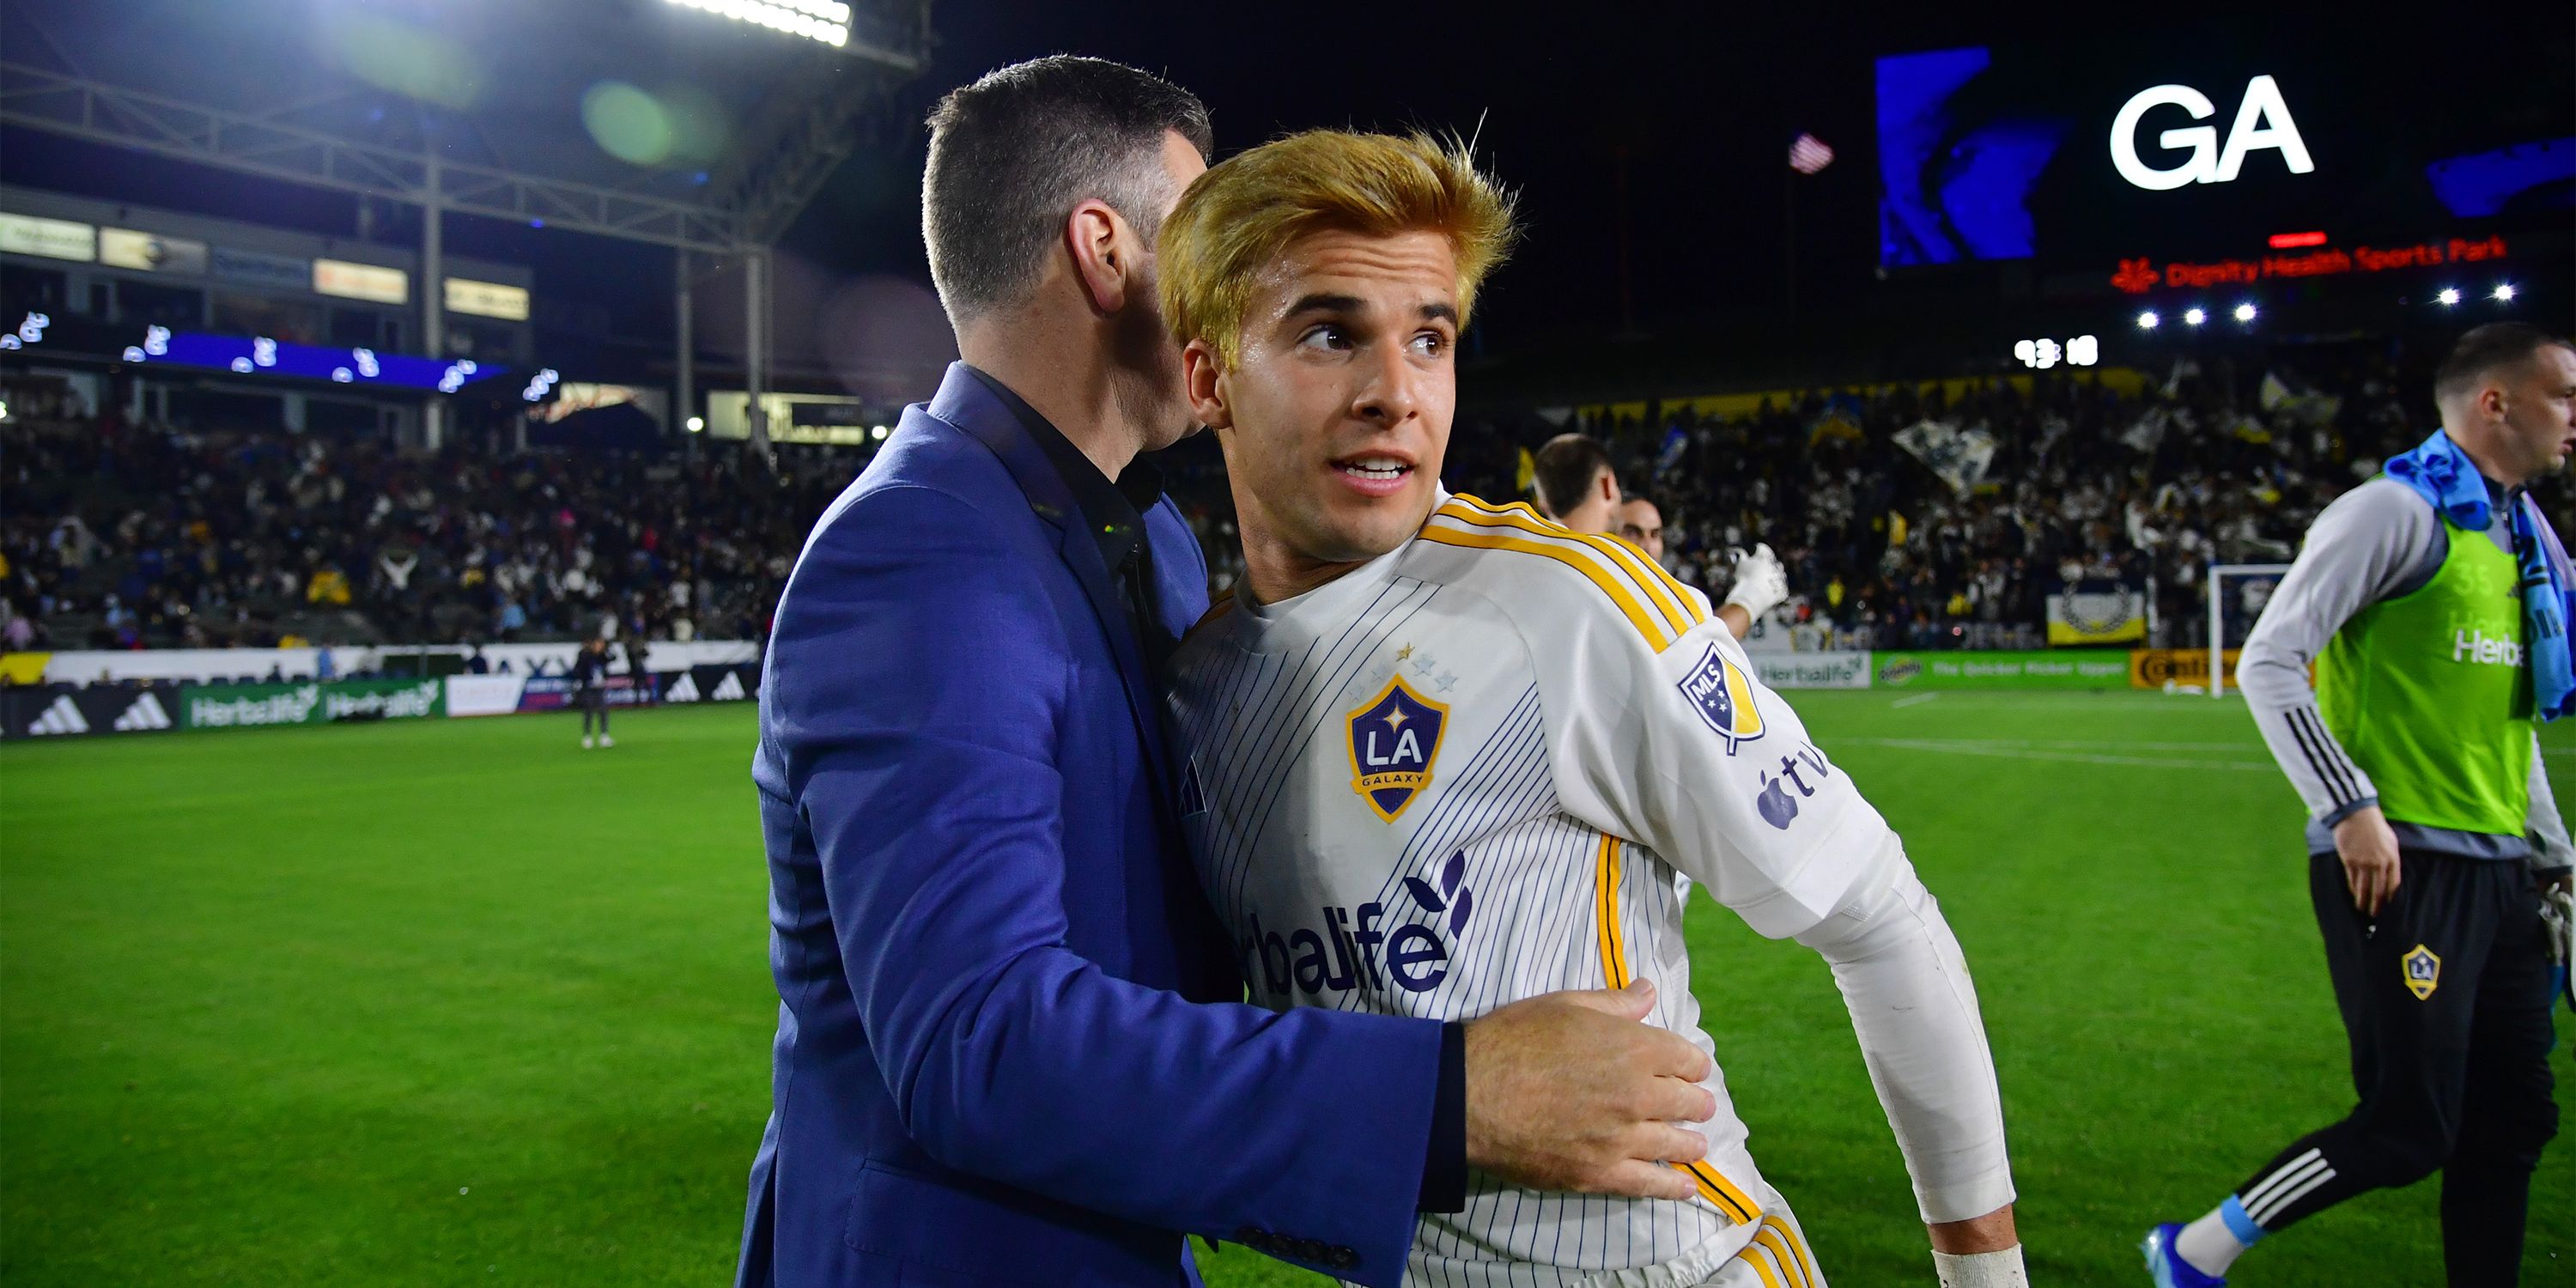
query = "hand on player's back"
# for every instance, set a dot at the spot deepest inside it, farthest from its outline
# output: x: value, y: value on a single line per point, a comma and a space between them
x: 2368, y: 847
x: 1568, y: 1091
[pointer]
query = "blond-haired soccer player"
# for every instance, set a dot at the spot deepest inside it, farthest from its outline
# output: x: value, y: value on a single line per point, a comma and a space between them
x: 1442, y: 755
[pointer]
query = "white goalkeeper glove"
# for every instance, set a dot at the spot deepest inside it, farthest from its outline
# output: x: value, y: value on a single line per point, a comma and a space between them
x: 2558, y: 915
x: 1760, y: 582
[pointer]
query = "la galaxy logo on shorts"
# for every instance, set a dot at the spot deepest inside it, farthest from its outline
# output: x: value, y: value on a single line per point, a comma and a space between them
x: 2423, y: 972
x: 1723, y: 698
x: 1393, y: 741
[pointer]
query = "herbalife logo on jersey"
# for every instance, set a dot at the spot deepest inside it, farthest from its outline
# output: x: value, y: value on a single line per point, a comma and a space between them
x: 2482, y: 649
x: 1357, y: 948
x: 1393, y: 742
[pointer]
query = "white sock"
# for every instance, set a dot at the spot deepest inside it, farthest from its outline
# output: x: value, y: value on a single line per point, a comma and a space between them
x: 2210, y: 1244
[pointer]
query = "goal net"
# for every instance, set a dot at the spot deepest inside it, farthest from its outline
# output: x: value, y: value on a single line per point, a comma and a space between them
x: 2237, y: 594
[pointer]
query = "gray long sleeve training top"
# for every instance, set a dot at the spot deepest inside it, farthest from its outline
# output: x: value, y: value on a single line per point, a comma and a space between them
x: 2376, y: 542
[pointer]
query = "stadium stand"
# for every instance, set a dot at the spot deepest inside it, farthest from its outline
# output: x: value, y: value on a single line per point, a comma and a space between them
x: 2225, y: 460
x: 132, y: 536
x: 140, y: 536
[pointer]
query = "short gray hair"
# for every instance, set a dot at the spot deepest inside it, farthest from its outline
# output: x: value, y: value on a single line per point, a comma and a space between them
x: 1012, y: 154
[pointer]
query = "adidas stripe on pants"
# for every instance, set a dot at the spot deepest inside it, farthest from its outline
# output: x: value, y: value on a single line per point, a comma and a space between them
x: 2446, y: 1000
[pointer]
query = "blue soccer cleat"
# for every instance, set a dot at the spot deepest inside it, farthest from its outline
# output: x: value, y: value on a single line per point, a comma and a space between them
x: 2167, y: 1265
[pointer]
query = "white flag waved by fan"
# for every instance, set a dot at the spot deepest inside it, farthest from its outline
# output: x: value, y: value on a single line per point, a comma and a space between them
x: 1959, y: 456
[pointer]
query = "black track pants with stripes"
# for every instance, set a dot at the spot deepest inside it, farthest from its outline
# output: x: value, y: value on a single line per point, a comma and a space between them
x: 2446, y: 998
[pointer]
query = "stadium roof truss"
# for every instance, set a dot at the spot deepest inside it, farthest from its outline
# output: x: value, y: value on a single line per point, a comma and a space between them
x: 805, y: 128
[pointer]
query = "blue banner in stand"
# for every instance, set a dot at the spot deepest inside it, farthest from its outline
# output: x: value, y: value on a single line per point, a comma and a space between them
x: 256, y: 355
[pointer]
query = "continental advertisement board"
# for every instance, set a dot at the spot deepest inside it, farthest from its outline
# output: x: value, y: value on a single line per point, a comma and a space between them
x: 2183, y: 668
x: 2053, y: 669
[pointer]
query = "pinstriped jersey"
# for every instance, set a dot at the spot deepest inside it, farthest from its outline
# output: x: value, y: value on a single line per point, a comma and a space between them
x: 1466, y: 773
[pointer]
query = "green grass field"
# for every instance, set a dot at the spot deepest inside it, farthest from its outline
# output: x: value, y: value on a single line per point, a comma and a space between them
x: 458, y: 1003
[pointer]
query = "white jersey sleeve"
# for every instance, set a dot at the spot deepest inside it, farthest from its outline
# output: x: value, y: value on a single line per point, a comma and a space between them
x: 1672, y: 743
x: 1680, y: 749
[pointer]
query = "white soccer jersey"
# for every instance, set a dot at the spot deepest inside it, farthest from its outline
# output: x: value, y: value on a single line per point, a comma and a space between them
x: 1466, y: 773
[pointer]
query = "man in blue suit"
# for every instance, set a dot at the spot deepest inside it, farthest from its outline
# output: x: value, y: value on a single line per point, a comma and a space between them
x: 1011, y: 1042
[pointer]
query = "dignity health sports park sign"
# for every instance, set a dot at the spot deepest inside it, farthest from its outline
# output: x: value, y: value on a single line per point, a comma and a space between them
x: 2190, y: 141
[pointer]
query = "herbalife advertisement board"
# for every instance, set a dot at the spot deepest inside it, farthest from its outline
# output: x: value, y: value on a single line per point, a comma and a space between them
x: 244, y: 706
x: 2061, y: 669
x: 1845, y: 670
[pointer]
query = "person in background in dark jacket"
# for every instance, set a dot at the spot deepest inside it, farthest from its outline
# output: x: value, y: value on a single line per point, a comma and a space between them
x: 590, y: 689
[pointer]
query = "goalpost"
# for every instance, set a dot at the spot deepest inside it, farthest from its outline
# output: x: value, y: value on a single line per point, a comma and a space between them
x: 2253, y: 583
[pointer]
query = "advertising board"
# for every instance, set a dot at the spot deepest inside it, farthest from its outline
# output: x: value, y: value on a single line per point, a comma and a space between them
x: 2058, y: 669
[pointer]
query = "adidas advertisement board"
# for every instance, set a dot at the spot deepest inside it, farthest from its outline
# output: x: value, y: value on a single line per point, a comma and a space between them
x: 63, y: 711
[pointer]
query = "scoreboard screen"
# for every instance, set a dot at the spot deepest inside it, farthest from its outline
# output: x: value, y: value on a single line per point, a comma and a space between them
x: 2176, y: 145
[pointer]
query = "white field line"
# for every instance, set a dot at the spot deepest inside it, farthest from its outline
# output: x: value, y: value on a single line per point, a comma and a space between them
x: 1915, y: 701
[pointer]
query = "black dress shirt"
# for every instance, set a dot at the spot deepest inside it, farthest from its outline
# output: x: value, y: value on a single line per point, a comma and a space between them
x: 1114, y: 513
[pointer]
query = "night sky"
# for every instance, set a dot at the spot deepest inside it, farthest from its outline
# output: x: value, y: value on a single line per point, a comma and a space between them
x: 1695, y: 103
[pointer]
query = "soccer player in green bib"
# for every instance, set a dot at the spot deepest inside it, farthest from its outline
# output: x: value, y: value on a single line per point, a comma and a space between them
x: 2431, y: 600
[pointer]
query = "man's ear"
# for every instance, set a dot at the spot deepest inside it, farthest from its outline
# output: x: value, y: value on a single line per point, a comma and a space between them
x: 2490, y: 401
x: 1202, y: 378
x: 1104, y: 251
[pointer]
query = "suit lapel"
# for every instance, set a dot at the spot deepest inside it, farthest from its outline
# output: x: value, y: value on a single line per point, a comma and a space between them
x: 963, y: 402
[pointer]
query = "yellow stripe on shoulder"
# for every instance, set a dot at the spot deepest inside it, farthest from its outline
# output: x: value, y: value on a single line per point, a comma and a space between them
x: 1475, y: 532
x: 1666, y: 593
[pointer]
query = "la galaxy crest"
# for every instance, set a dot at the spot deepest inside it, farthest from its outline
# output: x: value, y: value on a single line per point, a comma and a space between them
x: 1722, y: 695
x: 2423, y: 972
x: 1393, y: 742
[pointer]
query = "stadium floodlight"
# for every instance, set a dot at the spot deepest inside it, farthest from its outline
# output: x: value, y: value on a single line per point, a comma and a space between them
x: 827, y: 21
x: 2194, y: 317
x: 2148, y: 321
x: 2244, y: 312
x: 697, y: 424
x: 879, y: 433
x: 2450, y: 295
x: 2504, y: 292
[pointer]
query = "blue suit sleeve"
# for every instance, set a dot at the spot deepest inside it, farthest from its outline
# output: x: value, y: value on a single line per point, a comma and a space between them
x: 918, y: 677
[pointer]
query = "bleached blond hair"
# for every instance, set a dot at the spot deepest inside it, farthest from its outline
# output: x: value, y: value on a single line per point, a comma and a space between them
x: 1245, y: 212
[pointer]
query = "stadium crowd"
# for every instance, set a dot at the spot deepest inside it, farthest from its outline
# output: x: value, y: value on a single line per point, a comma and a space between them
x: 133, y: 536
x: 150, y: 535
x: 2087, y: 488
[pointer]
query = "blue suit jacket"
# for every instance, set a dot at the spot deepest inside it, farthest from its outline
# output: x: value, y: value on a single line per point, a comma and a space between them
x: 1011, y: 1046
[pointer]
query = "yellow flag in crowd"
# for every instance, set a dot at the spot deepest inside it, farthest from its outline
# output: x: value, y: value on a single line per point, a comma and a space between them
x: 1526, y: 476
